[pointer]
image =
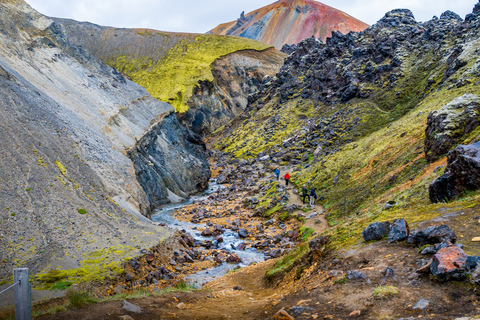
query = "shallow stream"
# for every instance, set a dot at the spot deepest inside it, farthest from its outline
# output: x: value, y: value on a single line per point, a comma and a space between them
x: 230, y: 239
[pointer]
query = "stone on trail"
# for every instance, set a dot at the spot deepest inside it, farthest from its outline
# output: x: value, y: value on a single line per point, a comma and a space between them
x: 356, y: 313
x: 399, y: 231
x: 282, y: 315
x: 356, y: 275
x: 126, y: 317
x: 421, y: 305
x: 130, y: 307
x: 376, y: 231
x: 449, y: 264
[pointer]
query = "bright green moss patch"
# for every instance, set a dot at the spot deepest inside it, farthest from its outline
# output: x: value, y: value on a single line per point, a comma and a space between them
x: 306, y: 233
x: 287, y: 263
x: 173, y: 77
x: 96, y: 266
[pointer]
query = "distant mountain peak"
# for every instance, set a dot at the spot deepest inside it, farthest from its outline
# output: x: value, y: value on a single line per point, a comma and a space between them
x: 289, y: 22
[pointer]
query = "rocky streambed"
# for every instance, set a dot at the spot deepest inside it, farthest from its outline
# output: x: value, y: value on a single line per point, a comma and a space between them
x: 244, y: 217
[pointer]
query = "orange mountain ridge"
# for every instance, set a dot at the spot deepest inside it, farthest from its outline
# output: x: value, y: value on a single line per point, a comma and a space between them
x: 289, y: 22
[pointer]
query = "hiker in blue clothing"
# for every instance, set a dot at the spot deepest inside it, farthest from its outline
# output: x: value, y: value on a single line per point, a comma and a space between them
x: 313, y: 196
x: 277, y: 173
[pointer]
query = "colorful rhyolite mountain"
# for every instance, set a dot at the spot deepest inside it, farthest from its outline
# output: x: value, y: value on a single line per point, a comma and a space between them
x: 289, y: 22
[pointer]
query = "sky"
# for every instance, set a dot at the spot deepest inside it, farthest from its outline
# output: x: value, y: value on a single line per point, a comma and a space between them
x: 201, y: 16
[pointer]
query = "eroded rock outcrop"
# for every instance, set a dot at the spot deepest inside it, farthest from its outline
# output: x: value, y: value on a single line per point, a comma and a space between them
x: 236, y: 76
x: 462, y: 173
x: 451, y: 124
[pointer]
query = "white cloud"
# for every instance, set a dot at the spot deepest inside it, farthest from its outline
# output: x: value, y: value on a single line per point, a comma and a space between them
x: 201, y: 16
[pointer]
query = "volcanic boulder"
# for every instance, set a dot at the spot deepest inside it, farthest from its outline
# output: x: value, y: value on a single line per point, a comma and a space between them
x: 447, y: 126
x: 462, y: 173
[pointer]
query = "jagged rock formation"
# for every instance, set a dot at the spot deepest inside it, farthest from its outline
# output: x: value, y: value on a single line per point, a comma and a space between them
x: 207, y: 78
x: 449, y: 125
x: 67, y: 184
x: 289, y: 22
x: 351, y: 113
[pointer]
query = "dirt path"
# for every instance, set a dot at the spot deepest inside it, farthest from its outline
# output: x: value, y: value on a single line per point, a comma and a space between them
x: 315, y: 218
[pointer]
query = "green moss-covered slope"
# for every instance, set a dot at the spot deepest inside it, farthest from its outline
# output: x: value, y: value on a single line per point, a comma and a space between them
x: 168, y: 65
x: 349, y: 117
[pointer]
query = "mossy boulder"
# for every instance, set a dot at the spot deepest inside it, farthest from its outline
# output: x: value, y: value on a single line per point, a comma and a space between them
x: 451, y: 124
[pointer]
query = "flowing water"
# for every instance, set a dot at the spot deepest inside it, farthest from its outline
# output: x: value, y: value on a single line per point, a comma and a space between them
x: 230, y: 239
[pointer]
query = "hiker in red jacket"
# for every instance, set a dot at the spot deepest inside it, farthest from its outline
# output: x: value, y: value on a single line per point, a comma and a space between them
x: 287, y: 178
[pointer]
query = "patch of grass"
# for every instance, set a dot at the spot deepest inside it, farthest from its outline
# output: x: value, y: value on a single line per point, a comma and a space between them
x: 306, y: 233
x: 385, y: 292
x: 184, y: 286
x: 341, y: 280
x: 79, y: 298
x: 287, y: 262
x: 61, y: 285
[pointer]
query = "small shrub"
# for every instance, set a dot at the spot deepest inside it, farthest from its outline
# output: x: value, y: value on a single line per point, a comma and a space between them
x: 61, y: 285
x: 79, y: 298
x: 385, y: 292
x: 341, y: 280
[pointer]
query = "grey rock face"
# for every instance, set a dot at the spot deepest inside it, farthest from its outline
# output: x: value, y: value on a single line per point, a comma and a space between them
x: 169, y: 162
x: 448, y: 125
x: 67, y: 121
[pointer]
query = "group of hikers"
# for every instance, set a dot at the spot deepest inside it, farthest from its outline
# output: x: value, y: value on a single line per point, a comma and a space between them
x: 312, y: 196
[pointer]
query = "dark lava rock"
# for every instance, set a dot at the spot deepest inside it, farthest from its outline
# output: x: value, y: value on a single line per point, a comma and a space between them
x: 134, y: 264
x: 462, y: 173
x: 428, y: 250
x: 433, y: 235
x: 389, y: 273
x: 298, y: 310
x: 449, y: 264
x: 243, y: 233
x: 317, y: 246
x: 473, y: 262
x: 356, y: 275
x: 399, y: 231
x: 376, y: 231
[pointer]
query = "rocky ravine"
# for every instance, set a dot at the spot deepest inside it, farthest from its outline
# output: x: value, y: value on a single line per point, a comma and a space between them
x: 206, y: 105
x: 84, y: 152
